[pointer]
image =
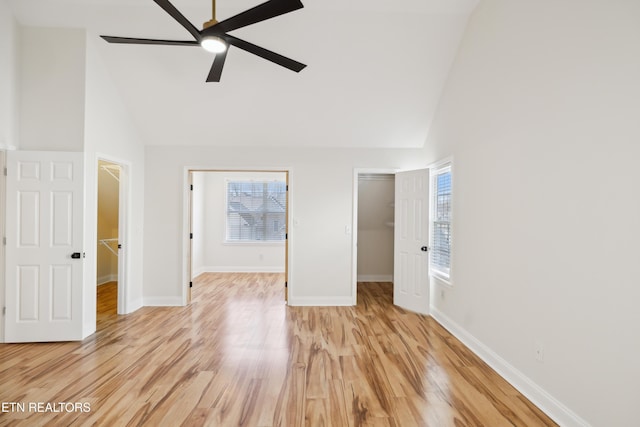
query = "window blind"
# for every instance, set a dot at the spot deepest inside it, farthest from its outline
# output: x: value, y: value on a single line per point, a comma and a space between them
x: 441, y: 244
x: 256, y: 211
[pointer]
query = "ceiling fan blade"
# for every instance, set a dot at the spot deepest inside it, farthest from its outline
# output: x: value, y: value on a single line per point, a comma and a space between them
x: 216, y: 68
x: 132, y: 40
x: 266, y: 54
x: 175, y: 14
x: 262, y: 12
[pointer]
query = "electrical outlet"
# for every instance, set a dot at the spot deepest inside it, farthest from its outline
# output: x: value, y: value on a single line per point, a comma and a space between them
x: 539, y: 351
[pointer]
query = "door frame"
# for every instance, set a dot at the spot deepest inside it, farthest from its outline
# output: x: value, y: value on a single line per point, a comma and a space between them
x: 124, y: 214
x: 354, y: 224
x: 3, y: 186
x: 187, y: 218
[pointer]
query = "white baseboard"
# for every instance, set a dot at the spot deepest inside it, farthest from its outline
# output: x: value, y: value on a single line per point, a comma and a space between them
x: 106, y: 279
x: 134, y: 305
x: 375, y: 278
x: 239, y: 269
x: 162, y: 302
x: 532, y: 391
x: 320, y: 301
x: 198, y: 271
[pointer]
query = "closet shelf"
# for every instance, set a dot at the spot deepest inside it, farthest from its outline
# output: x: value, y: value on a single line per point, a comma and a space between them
x: 113, y: 170
x: 107, y: 243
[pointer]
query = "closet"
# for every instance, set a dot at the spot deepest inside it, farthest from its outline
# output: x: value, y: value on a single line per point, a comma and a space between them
x: 108, y: 211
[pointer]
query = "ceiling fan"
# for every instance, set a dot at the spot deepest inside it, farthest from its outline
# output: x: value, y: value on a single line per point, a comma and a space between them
x: 214, y: 36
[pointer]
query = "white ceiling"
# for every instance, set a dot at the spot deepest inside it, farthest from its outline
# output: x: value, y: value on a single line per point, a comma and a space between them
x: 374, y: 76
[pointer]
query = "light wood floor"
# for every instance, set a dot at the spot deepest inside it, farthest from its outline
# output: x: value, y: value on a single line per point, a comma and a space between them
x: 239, y: 356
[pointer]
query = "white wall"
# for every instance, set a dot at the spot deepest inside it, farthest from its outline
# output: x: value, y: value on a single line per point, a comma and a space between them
x: 110, y: 135
x: 541, y: 114
x: 321, y: 203
x: 52, y: 90
x: 9, y: 77
x: 219, y: 256
x: 376, y: 195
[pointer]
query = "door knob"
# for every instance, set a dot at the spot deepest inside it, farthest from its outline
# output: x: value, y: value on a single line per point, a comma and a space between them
x: 424, y: 248
x: 77, y: 255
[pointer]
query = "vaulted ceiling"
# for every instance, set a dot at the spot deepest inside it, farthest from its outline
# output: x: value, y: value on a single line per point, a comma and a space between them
x: 374, y: 76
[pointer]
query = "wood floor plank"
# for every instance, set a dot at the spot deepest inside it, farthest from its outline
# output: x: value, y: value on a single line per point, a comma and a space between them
x: 238, y: 356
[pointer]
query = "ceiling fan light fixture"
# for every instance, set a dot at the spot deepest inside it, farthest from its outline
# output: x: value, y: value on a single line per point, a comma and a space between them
x: 213, y: 44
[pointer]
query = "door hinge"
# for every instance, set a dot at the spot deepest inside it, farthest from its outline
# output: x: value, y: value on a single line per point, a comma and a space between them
x: 191, y: 235
x: 4, y: 241
x: 5, y: 171
x: 4, y: 311
x: 191, y: 284
x: 286, y: 236
x: 191, y: 187
x: 287, y: 189
x: 286, y: 285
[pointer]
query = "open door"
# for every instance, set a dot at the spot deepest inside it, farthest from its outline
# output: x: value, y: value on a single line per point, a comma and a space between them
x: 411, y: 241
x: 44, y: 253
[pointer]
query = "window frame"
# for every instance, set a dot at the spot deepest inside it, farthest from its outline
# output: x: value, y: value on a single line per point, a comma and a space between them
x: 437, y: 169
x: 225, y: 207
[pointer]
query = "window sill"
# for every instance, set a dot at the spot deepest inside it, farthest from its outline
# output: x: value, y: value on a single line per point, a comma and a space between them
x: 441, y: 280
x: 255, y: 243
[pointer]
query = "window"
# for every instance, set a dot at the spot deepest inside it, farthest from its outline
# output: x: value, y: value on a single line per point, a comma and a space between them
x: 256, y: 211
x: 441, y: 225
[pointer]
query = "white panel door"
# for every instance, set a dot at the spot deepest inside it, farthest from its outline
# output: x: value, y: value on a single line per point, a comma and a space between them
x: 411, y: 241
x: 44, y: 246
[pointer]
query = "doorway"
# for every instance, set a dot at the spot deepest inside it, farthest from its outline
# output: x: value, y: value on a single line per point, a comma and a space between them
x: 238, y: 223
x: 374, y: 202
x: 111, y: 235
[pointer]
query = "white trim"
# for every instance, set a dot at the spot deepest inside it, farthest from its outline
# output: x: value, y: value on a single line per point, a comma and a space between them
x: 375, y: 278
x: 436, y: 168
x: 532, y: 391
x: 321, y: 301
x: 260, y: 243
x: 3, y: 272
x: 125, y: 216
x: 162, y: 302
x: 441, y: 163
x: 106, y: 279
x: 134, y: 305
x: 354, y: 224
x: 198, y: 271
x: 439, y: 281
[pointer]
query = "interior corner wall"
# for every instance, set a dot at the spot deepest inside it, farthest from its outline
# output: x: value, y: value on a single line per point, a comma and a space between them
x: 540, y: 114
x: 9, y: 77
x: 111, y: 135
x: 320, y: 202
x: 52, y: 89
